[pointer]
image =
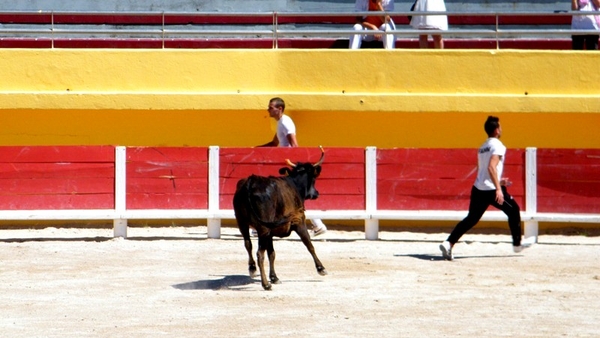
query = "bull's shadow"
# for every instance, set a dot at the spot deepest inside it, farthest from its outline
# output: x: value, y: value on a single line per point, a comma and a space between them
x: 235, y: 282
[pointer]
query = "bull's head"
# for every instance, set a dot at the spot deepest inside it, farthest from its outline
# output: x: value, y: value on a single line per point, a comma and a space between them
x: 304, y: 175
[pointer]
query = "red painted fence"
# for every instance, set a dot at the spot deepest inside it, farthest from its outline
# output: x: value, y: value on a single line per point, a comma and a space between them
x: 57, y: 177
x: 436, y: 179
x: 568, y: 180
x: 167, y: 178
x: 70, y: 177
x: 341, y: 184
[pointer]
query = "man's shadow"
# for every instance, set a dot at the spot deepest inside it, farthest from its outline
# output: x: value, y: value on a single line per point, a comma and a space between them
x: 438, y: 257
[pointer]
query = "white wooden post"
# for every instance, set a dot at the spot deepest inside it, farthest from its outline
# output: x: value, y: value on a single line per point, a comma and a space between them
x: 371, y: 224
x: 119, y: 223
x: 213, y: 223
x: 531, y: 225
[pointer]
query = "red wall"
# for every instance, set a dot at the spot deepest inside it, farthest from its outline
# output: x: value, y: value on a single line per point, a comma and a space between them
x: 437, y: 179
x: 568, y: 180
x: 69, y: 177
x: 341, y: 184
x: 57, y: 177
x: 167, y: 178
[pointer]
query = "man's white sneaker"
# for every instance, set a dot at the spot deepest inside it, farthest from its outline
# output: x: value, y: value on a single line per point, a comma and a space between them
x: 320, y: 231
x: 519, y: 248
x: 446, y: 250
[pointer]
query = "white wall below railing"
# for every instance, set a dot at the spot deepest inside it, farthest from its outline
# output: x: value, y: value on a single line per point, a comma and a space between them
x: 371, y: 215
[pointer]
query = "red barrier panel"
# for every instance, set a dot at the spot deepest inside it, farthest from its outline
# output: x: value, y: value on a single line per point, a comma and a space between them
x: 568, y: 180
x: 341, y: 184
x: 436, y: 179
x: 65, y: 177
x: 167, y: 178
x: 83, y: 177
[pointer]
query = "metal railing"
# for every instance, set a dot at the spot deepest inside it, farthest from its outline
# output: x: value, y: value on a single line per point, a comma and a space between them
x: 266, y: 25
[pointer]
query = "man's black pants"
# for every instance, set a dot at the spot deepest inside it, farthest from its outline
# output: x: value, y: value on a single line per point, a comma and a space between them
x: 480, y: 201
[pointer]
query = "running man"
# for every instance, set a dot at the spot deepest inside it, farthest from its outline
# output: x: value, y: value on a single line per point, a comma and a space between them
x: 490, y: 188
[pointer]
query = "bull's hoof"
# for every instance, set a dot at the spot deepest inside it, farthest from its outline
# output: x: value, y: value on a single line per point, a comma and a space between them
x: 267, y: 286
x: 252, y: 271
x: 275, y: 280
x: 322, y: 271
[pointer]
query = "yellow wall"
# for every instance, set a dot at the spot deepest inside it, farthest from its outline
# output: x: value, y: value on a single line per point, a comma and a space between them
x: 400, y: 98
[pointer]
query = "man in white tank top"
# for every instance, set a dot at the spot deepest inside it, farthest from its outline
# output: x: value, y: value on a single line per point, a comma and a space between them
x: 286, y: 137
x: 489, y: 189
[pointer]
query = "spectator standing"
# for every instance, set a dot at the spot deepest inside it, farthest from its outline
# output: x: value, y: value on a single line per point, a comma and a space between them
x: 285, y: 136
x: 490, y: 188
x: 430, y: 22
x: 585, y: 22
x: 374, y: 22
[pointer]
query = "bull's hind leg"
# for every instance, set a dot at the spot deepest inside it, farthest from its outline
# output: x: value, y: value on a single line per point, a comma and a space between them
x: 271, y: 252
x: 245, y: 231
x: 305, y: 237
x: 260, y: 258
x: 251, y: 263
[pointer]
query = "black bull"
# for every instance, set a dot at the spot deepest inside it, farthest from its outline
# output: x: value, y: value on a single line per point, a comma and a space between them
x: 274, y: 206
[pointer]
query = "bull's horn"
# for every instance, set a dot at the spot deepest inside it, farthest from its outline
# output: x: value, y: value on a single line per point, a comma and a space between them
x: 322, y: 157
x: 290, y: 163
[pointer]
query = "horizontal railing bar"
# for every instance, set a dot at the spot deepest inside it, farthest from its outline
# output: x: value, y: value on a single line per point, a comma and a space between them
x: 164, y: 29
x: 297, y: 14
x: 448, y: 32
x: 400, y: 32
x: 137, y: 32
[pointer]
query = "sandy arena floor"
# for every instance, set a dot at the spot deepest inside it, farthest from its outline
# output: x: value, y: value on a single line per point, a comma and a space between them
x: 174, y: 282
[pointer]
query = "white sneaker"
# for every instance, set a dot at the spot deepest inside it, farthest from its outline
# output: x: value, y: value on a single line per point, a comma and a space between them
x: 319, y: 231
x: 446, y: 250
x: 519, y: 248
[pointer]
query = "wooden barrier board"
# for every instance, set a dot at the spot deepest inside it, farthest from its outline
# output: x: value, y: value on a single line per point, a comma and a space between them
x: 65, y: 177
x: 436, y: 179
x: 341, y: 184
x: 167, y: 178
x: 568, y: 180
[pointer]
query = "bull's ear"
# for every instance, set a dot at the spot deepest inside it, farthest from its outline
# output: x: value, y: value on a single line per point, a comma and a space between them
x: 284, y: 171
x: 317, y: 170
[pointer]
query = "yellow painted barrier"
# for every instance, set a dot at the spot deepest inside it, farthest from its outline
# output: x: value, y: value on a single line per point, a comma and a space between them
x: 399, y: 98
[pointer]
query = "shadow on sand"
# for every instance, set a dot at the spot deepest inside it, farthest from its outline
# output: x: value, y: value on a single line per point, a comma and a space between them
x: 235, y: 282
x: 439, y: 257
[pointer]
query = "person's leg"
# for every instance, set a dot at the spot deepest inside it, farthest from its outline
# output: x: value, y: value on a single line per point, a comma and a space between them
x: 438, y: 41
x: 319, y: 227
x: 591, y: 42
x: 423, y: 41
x: 512, y: 210
x: 356, y: 39
x: 479, y: 202
x: 577, y: 42
x: 389, y: 39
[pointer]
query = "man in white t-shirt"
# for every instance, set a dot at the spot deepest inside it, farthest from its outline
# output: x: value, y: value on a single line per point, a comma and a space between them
x: 286, y: 137
x: 489, y: 189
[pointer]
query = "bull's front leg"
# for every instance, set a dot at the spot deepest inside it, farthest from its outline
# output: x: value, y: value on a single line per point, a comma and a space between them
x: 305, y: 237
